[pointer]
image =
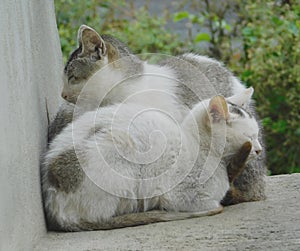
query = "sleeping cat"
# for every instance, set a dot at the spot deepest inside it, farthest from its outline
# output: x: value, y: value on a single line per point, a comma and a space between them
x: 199, y: 74
x: 123, y: 78
x: 196, y: 76
x: 105, y: 171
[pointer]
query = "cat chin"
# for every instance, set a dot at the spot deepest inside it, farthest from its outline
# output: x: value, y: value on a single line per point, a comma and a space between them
x: 252, y: 157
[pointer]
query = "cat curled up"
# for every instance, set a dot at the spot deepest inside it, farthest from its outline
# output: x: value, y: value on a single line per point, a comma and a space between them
x: 126, y: 165
x: 198, y: 78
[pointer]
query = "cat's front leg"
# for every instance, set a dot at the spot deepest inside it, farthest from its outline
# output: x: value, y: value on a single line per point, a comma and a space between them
x: 234, y: 170
x: 63, y: 117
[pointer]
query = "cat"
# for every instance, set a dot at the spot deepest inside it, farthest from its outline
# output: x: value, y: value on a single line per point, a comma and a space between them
x: 199, y: 78
x: 123, y: 78
x: 201, y: 74
x: 145, y: 183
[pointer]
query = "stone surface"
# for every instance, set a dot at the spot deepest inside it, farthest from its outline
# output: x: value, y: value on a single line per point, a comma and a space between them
x: 273, y: 224
x: 30, y: 76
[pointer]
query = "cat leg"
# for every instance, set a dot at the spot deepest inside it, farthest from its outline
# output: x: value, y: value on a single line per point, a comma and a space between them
x: 64, y: 173
x: 236, y: 169
x: 250, y: 184
x: 63, y: 117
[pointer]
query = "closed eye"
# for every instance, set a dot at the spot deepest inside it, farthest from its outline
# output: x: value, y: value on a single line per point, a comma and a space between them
x: 252, y: 137
x: 71, y: 77
x: 73, y: 80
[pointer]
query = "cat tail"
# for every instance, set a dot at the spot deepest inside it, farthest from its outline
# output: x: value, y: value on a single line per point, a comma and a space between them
x: 144, y: 218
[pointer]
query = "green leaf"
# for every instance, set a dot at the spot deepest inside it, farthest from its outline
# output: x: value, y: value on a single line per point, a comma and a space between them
x: 279, y: 126
x: 227, y: 27
x: 197, y: 19
x: 202, y: 37
x: 277, y: 21
x: 297, y: 132
x: 293, y: 29
x: 267, y: 121
x: 247, y: 31
x: 246, y: 73
x: 180, y: 16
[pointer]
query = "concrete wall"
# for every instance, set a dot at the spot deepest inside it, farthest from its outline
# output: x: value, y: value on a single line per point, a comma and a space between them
x: 30, y: 77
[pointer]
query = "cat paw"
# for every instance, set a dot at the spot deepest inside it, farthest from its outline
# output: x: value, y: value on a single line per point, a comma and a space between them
x: 233, y: 196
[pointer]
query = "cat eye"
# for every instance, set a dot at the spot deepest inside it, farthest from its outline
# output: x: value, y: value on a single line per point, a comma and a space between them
x: 71, y: 77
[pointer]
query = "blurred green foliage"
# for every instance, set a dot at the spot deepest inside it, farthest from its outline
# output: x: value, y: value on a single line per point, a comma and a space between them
x: 259, y: 41
x: 139, y: 29
x: 272, y: 65
x: 214, y: 26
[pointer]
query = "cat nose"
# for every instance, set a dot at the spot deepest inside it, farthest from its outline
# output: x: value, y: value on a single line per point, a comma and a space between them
x: 257, y: 147
x: 64, y: 96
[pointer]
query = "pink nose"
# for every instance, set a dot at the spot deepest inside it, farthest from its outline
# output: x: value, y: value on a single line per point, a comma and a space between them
x: 64, y: 96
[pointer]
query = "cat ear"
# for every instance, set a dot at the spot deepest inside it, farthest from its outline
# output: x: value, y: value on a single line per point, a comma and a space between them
x: 91, y: 42
x: 242, y: 99
x: 218, y: 109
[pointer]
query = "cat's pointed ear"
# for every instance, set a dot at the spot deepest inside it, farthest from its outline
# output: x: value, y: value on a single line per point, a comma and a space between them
x: 218, y: 109
x: 91, y: 43
x: 242, y: 99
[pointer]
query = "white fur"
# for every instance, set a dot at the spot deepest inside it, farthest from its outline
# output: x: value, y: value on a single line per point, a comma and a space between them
x: 153, y: 88
x: 119, y: 146
x: 237, y: 86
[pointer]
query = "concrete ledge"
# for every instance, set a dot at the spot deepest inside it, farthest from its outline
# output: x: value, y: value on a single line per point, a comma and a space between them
x: 273, y: 224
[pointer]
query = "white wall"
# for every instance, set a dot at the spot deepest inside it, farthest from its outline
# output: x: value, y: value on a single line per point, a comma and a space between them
x: 30, y: 76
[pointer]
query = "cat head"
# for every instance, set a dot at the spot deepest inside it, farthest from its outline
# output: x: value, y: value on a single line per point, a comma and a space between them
x: 241, y: 126
x: 93, y: 53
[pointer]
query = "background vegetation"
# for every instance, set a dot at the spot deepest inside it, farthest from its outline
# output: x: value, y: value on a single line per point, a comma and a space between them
x: 258, y: 40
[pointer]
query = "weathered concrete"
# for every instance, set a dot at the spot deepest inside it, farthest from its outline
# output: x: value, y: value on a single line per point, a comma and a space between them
x: 273, y: 224
x: 30, y: 76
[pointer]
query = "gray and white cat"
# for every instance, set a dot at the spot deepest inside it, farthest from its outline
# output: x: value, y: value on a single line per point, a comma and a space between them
x: 123, y: 78
x: 111, y: 166
x: 198, y: 78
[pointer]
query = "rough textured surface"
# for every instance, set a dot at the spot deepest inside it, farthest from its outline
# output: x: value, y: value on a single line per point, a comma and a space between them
x: 30, y: 77
x: 273, y: 224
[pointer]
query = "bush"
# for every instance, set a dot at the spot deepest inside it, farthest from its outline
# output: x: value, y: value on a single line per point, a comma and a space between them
x: 216, y: 32
x: 136, y: 27
x: 261, y: 44
x: 272, y: 65
x: 268, y: 59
